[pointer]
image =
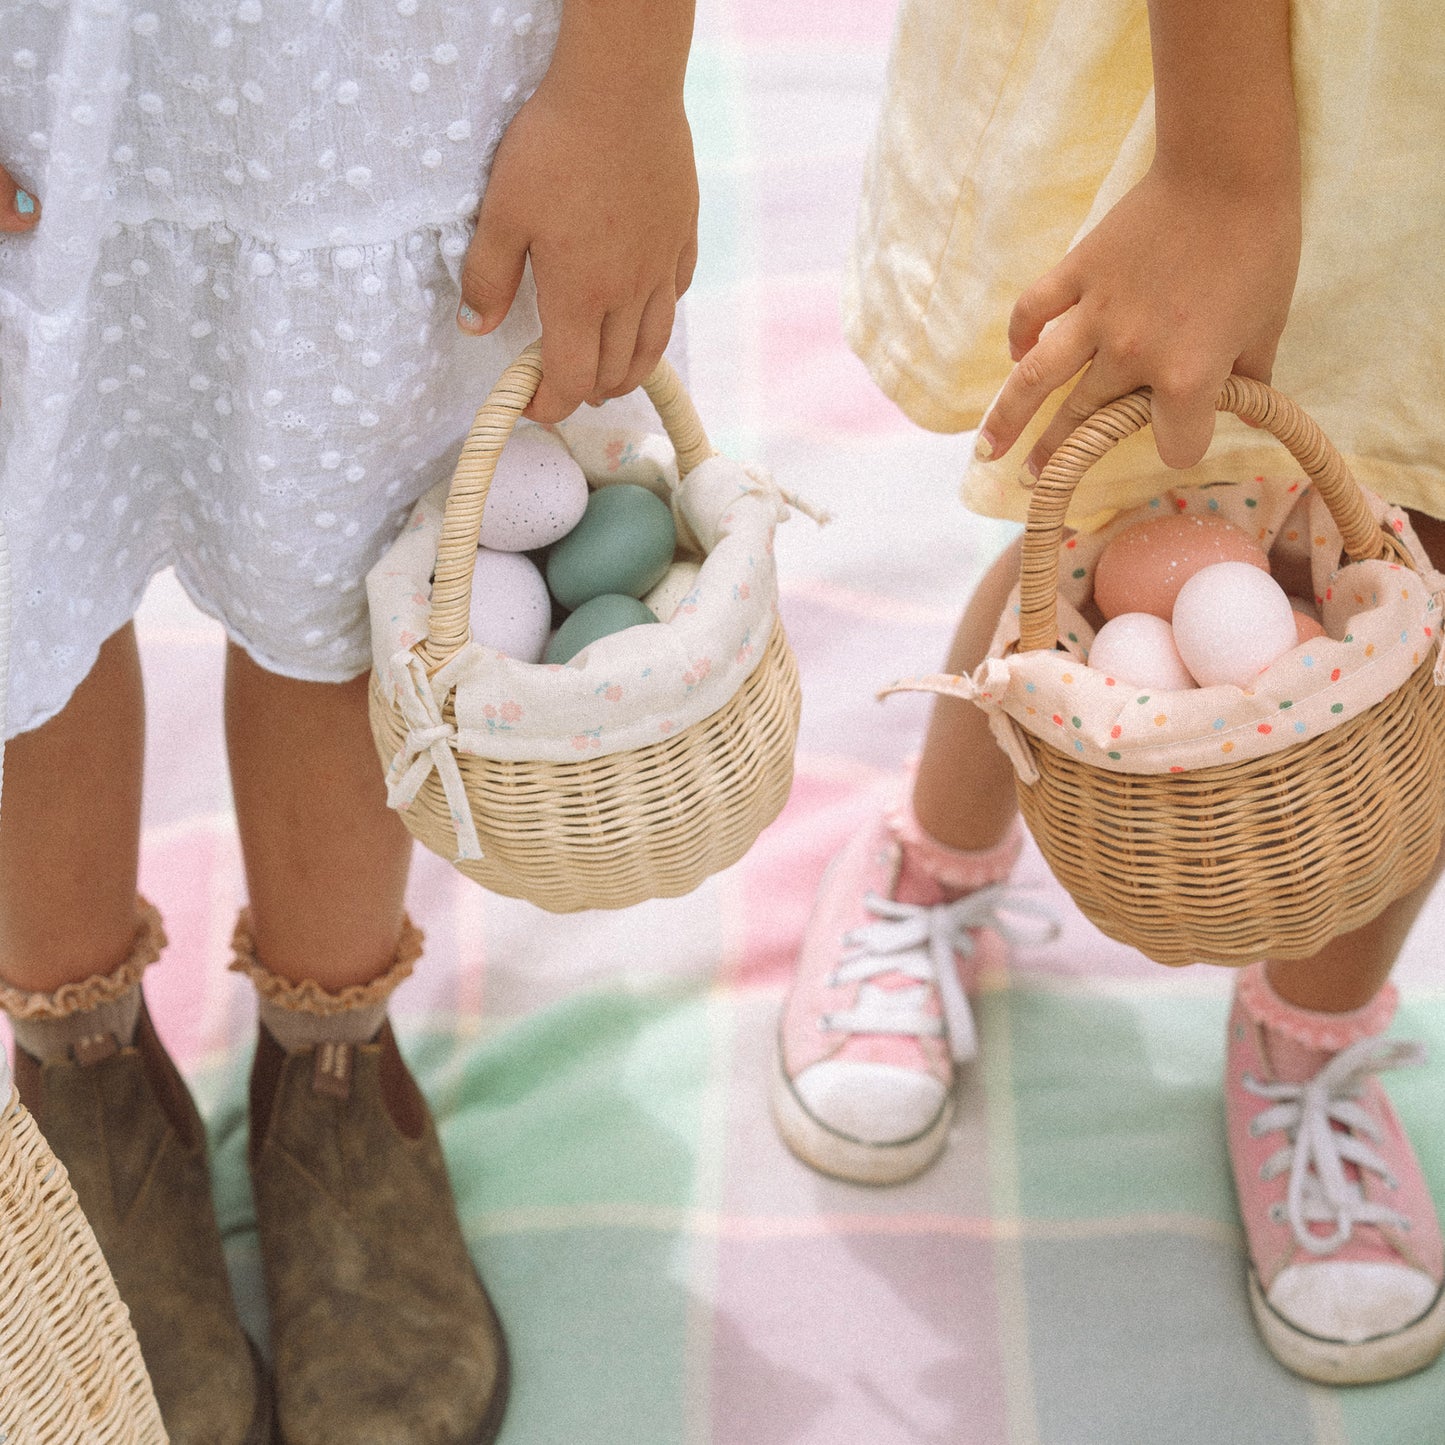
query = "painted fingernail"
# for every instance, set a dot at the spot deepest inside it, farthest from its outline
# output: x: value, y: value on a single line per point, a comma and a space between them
x: 468, y: 319
x: 985, y: 448
x: 1028, y: 473
x: 24, y: 203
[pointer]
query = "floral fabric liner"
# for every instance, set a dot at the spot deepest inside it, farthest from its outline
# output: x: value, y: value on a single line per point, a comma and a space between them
x: 1381, y: 619
x: 623, y: 691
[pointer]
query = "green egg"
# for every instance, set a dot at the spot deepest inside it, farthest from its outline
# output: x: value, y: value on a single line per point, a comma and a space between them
x: 599, y: 617
x: 623, y: 544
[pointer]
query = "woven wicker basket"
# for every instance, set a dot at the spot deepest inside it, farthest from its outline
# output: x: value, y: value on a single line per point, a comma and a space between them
x: 70, y: 1367
x: 1265, y: 858
x: 609, y: 831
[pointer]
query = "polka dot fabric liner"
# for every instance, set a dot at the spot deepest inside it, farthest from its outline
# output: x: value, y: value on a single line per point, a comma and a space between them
x: 1381, y: 619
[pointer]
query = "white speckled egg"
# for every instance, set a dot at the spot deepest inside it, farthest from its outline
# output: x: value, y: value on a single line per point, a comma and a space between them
x: 537, y: 495
x: 1230, y: 622
x: 511, y: 610
x: 1138, y: 648
x: 676, y: 583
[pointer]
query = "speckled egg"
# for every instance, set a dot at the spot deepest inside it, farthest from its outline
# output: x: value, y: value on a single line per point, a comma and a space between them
x: 1231, y: 621
x: 538, y: 493
x: 1138, y: 648
x: 677, y: 582
x: 623, y: 544
x: 599, y: 617
x: 511, y: 610
x: 1144, y: 567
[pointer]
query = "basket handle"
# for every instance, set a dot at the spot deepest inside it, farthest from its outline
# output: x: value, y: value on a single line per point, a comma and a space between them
x: 451, y: 598
x: 1251, y: 401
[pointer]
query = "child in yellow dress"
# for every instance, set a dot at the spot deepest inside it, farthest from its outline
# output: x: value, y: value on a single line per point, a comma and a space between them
x: 1206, y: 173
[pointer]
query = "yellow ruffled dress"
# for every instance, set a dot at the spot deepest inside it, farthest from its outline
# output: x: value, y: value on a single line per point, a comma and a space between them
x: 1010, y: 127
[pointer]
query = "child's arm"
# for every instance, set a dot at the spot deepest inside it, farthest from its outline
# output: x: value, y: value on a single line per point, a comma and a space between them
x: 1189, y: 277
x: 595, y: 180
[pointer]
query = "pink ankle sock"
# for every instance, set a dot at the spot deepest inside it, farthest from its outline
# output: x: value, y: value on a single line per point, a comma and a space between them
x: 931, y: 867
x: 1302, y: 1039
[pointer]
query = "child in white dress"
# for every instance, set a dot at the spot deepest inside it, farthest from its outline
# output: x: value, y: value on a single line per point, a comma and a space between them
x: 247, y: 308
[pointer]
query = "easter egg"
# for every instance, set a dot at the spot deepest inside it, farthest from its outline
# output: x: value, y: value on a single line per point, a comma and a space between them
x: 1138, y: 648
x: 623, y: 544
x: 538, y: 493
x: 1143, y: 568
x: 676, y: 583
x: 1307, y: 624
x: 1231, y: 621
x: 598, y: 617
x: 511, y: 610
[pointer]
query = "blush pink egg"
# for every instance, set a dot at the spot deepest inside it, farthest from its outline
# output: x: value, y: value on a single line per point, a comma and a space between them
x: 1231, y: 621
x: 1144, y: 567
x: 1306, y: 628
x: 1138, y: 648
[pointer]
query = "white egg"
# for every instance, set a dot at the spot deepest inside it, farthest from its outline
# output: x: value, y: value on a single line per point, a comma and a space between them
x: 1138, y: 648
x: 538, y: 493
x: 1230, y: 622
x: 511, y: 609
x: 676, y: 583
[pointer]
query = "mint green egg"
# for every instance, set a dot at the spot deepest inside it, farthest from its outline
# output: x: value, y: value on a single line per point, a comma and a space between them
x: 598, y: 617
x: 623, y: 544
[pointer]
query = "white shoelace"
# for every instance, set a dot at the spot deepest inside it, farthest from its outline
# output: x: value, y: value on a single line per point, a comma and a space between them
x: 1320, y: 1192
x: 919, y: 941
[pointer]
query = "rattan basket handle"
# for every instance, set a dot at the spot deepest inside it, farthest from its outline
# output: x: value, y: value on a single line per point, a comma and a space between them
x: 451, y: 598
x: 1249, y: 400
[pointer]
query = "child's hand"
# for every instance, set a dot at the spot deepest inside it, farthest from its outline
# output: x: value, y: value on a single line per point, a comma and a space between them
x: 597, y: 183
x: 19, y: 210
x: 1177, y: 287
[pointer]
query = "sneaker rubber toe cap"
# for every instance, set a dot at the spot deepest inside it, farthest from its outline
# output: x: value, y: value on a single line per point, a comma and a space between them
x: 1352, y: 1300
x: 872, y: 1103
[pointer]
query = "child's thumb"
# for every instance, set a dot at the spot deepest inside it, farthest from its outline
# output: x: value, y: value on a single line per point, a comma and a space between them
x: 491, y: 274
x: 19, y: 210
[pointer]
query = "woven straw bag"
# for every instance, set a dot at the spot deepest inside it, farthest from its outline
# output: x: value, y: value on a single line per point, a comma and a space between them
x: 1269, y: 856
x: 70, y: 1366
x: 623, y: 824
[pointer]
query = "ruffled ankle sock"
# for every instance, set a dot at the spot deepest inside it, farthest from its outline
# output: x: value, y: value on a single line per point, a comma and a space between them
x: 931, y: 871
x: 1301, y: 1040
x: 91, y: 1019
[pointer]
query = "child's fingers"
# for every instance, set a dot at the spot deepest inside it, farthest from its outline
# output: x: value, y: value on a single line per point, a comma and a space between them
x: 1050, y: 296
x: 614, y: 353
x: 1183, y: 420
x: 491, y: 274
x: 1097, y: 387
x: 19, y: 208
x: 653, y: 333
x: 1044, y: 368
x: 686, y: 265
x: 569, y: 364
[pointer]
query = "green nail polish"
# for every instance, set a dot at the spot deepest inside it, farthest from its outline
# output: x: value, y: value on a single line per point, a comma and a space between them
x: 24, y: 203
x: 467, y: 316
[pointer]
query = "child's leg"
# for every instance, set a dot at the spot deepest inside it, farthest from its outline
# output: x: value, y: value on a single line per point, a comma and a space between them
x: 964, y: 793
x: 73, y: 942
x: 877, y: 1018
x: 380, y: 1327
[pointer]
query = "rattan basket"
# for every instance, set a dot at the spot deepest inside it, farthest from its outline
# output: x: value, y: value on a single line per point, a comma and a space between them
x: 70, y: 1367
x: 611, y: 830
x: 1270, y: 857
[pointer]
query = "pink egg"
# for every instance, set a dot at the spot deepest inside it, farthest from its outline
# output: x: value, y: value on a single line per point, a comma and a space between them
x: 1138, y: 648
x: 1230, y: 622
x: 1144, y: 567
x: 1306, y: 628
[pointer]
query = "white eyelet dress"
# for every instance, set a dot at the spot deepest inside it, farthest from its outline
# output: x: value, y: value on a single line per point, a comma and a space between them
x: 230, y: 345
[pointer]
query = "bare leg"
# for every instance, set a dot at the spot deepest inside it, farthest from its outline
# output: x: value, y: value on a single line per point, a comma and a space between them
x: 326, y: 859
x: 1349, y: 971
x: 964, y: 795
x: 70, y: 838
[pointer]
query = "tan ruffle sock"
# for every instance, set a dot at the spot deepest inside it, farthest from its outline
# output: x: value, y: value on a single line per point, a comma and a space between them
x: 95, y: 1017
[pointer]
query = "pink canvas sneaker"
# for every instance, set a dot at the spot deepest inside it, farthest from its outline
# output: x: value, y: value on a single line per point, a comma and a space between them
x: 1345, y: 1256
x: 877, y: 1017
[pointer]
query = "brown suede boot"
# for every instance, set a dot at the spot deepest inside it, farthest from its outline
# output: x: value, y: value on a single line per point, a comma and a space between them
x: 381, y: 1330
x: 123, y: 1123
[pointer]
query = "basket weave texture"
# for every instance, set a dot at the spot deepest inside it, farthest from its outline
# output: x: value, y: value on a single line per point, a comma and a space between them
x: 70, y: 1366
x: 1269, y: 857
x: 604, y: 831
